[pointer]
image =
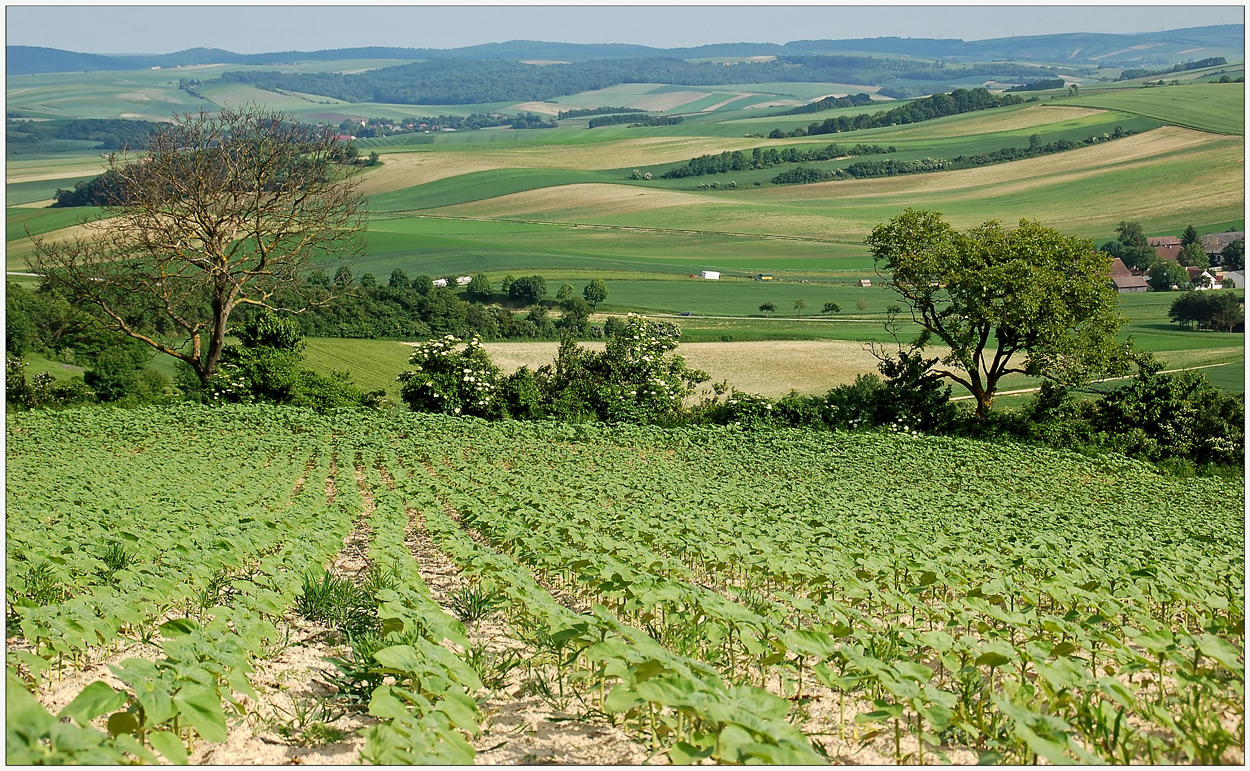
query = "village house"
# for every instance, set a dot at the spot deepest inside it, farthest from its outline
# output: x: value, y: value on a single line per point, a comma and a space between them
x: 1167, y: 247
x: 1201, y: 279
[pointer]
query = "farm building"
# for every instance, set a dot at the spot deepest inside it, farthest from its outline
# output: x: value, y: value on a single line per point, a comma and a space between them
x: 440, y: 282
x: 710, y: 275
x: 463, y: 280
x: 865, y: 282
x: 1125, y: 280
x: 1214, y: 243
x: 1235, y: 279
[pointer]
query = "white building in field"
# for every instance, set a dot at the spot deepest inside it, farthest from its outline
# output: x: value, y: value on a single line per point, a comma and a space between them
x: 711, y: 275
x: 463, y: 280
x: 440, y: 282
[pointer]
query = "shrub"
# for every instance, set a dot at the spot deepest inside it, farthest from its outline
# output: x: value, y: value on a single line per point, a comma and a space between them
x: 452, y: 380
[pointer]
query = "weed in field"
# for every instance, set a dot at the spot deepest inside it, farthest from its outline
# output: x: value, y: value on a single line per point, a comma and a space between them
x: 115, y: 558
x: 308, y: 722
x: 471, y: 603
x: 338, y: 602
x: 493, y: 668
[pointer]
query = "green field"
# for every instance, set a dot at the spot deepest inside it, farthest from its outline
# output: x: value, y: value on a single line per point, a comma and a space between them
x: 771, y: 596
x: 1216, y: 107
x: 559, y: 202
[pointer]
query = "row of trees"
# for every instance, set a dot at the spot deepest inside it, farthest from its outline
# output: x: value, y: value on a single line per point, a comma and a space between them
x: 634, y: 120
x: 768, y: 157
x: 959, y: 101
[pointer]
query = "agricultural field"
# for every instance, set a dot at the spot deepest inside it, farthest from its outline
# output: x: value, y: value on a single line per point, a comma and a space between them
x: 577, y: 594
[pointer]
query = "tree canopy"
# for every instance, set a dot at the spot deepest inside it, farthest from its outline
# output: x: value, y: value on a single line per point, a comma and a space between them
x: 994, y: 295
x: 220, y: 210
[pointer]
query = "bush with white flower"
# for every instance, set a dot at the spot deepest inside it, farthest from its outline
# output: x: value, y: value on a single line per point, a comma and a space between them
x: 452, y: 377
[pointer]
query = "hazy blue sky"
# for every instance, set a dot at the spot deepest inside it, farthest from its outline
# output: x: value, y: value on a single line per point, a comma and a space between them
x: 95, y: 28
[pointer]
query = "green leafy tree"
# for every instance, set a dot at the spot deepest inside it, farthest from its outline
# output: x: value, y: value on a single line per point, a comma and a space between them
x: 528, y: 290
x: 1193, y: 256
x: 994, y: 295
x: 1130, y: 233
x: 831, y: 308
x: 1190, y: 236
x: 1166, y: 276
x: 368, y: 281
x: 115, y: 373
x: 422, y: 284
x: 1233, y: 256
x: 479, y: 288
x: 800, y: 305
x: 575, y: 316
x: 595, y: 292
x: 399, y: 279
x: 768, y: 307
x: 219, y: 210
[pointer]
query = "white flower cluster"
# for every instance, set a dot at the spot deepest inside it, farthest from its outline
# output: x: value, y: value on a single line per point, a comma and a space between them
x: 900, y: 428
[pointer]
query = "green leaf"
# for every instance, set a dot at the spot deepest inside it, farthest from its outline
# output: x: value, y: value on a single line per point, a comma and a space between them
x: 992, y: 659
x: 123, y: 724
x: 620, y: 699
x: 168, y: 744
x: 93, y: 701
x: 202, y: 709
x: 685, y: 754
x: 179, y: 627
x: 1222, y: 651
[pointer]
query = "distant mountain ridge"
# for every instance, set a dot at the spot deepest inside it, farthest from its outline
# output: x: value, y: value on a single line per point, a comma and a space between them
x: 1144, y: 49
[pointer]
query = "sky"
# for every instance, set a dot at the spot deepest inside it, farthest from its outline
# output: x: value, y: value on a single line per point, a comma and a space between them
x: 155, y: 29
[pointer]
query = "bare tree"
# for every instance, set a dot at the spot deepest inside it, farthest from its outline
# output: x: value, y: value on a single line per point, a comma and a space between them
x: 220, y: 210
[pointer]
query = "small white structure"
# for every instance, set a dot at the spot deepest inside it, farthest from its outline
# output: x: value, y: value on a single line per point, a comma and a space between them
x: 463, y: 280
x: 710, y: 275
x: 864, y: 282
x: 440, y: 282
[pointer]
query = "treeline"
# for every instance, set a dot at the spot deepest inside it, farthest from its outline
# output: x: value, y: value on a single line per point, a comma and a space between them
x: 768, y: 157
x: 635, y: 120
x: 1040, y: 85
x: 936, y: 106
x: 385, y: 127
x: 588, y: 111
x: 466, y: 81
x: 112, y: 134
x: 861, y: 170
x: 1035, y: 148
x: 414, y: 309
x: 889, y: 168
x: 1214, y: 61
x: 98, y: 191
x: 831, y: 103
